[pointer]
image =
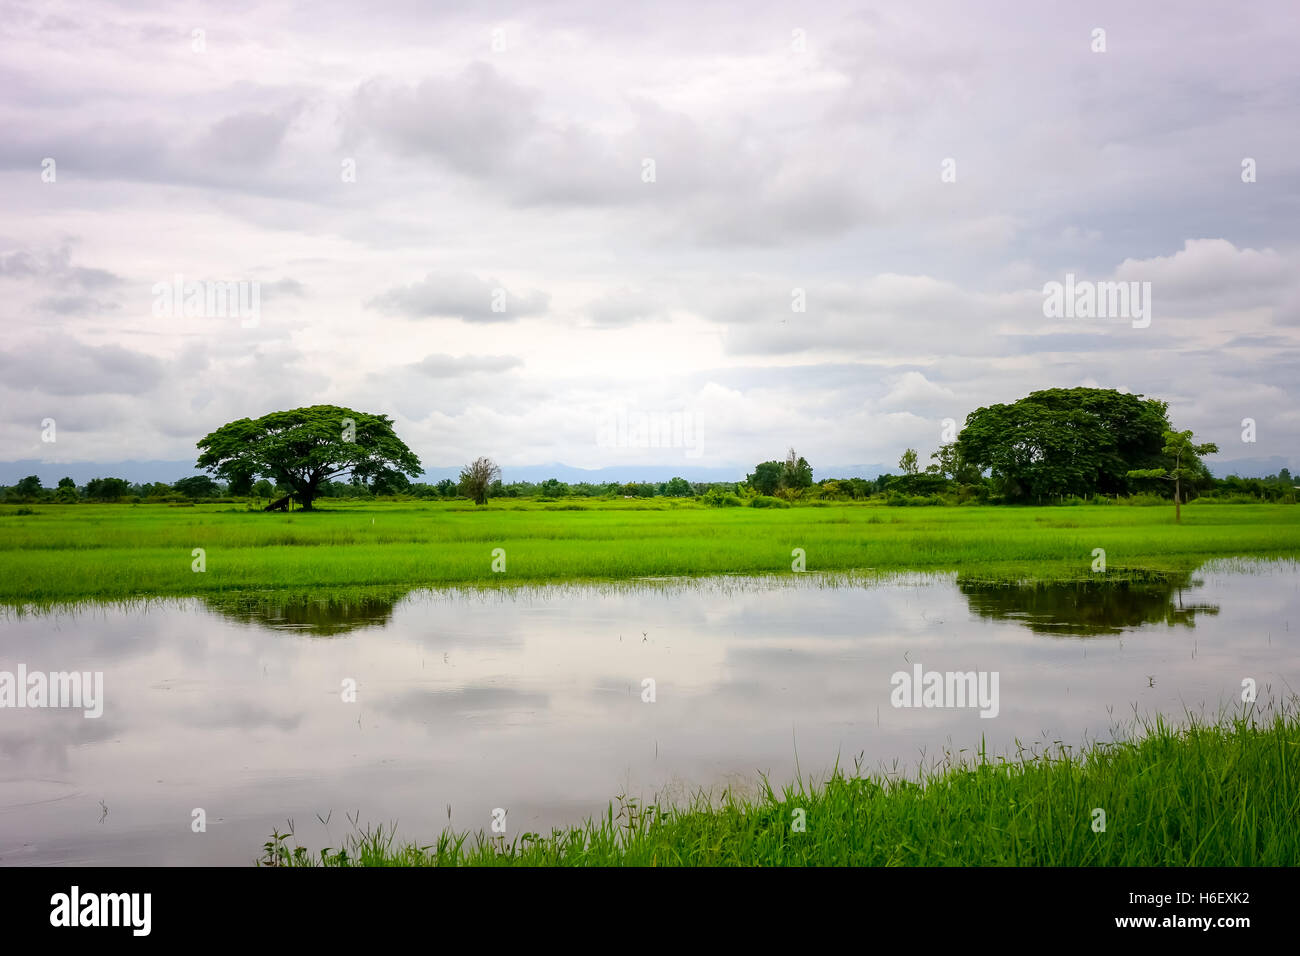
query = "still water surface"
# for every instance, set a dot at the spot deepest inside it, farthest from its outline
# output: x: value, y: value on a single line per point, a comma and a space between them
x: 532, y: 699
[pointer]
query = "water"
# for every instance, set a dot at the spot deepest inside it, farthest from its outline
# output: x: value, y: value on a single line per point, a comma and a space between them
x: 532, y: 700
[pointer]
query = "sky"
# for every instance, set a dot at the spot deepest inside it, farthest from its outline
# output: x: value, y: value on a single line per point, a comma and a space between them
x: 540, y: 231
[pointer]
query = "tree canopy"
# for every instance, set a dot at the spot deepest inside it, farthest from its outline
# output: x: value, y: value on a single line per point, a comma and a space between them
x: 1066, y: 441
x: 792, y: 475
x: 304, y: 448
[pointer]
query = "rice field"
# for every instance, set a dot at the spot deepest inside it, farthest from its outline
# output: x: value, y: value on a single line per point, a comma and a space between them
x: 59, y: 553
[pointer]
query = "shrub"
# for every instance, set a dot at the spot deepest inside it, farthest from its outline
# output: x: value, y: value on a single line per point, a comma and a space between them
x: 717, y: 498
x: 898, y: 499
x: 767, y: 501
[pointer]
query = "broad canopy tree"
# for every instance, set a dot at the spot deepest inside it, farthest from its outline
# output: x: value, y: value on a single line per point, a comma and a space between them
x: 1066, y: 441
x: 303, y: 448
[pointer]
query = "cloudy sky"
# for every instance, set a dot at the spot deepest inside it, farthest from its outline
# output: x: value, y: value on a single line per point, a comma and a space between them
x: 508, y: 224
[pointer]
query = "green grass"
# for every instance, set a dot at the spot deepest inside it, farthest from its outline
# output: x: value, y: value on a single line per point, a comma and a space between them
x: 121, y: 551
x: 1219, y: 794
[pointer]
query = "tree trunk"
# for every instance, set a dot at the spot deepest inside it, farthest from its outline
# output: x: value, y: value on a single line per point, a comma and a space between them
x: 1178, y: 501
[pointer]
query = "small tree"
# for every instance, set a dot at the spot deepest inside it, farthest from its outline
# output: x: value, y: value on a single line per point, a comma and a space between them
x: 950, y: 464
x: 766, y: 478
x: 477, y: 477
x: 677, y: 488
x: 67, y: 492
x: 1187, y: 464
x: 796, y: 473
x: 553, y: 488
x: 908, y: 462
x: 107, y: 489
x: 28, y: 489
x: 196, y: 486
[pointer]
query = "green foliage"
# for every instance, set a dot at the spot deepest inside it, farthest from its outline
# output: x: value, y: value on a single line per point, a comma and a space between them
x: 796, y: 473
x: 717, y: 498
x: 948, y: 462
x: 766, y: 478
x: 1185, y: 466
x: 767, y: 501
x: 303, y: 448
x: 28, y: 489
x: 107, y: 489
x: 553, y: 488
x: 197, y: 487
x: 789, y: 477
x: 677, y: 488
x: 908, y: 462
x: 1076, y: 441
x: 900, y: 499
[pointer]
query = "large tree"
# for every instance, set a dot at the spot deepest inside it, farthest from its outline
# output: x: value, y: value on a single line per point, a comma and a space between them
x: 304, y: 448
x: 1066, y: 441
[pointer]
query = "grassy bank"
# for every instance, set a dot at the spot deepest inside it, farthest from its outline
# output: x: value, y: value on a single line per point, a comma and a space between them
x: 1225, y: 794
x: 119, y: 551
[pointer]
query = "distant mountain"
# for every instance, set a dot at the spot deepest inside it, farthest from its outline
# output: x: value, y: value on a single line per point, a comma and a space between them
x: 11, y: 472
x: 143, y: 471
x: 853, y: 471
x: 168, y: 471
x: 1247, y: 467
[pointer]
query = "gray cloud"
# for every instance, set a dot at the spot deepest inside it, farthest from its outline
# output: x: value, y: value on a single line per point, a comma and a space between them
x: 521, y: 168
x: 68, y: 367
x: 460, y: 296
x: 452, y: 366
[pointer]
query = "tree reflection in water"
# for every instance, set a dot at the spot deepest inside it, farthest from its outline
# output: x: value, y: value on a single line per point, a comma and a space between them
x: 1087, y: 608
x: 318, y: 616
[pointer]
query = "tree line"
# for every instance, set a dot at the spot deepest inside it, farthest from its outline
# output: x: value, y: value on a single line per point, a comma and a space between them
x: 1054, y: 445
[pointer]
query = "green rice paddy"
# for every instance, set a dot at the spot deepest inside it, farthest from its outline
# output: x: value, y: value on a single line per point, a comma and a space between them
x: 60, y: 553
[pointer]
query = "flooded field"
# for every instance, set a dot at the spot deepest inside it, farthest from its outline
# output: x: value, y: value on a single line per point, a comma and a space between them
x: 442, y: 707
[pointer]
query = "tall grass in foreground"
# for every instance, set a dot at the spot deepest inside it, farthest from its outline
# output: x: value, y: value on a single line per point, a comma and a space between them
x: 1209, y: 794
